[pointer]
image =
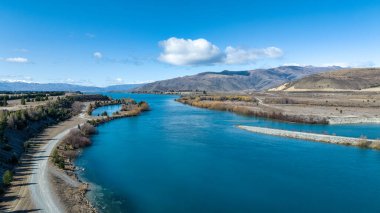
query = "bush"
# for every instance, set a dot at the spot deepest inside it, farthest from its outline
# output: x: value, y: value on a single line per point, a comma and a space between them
x: 75, y: 139
x: 27, y: 145
x: 7, y: 178
x: 88, y: 129
x: 58, y: 160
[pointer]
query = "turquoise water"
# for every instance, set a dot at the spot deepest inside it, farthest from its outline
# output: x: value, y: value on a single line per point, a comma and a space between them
x: 177, y: 158
x: 109, y: 109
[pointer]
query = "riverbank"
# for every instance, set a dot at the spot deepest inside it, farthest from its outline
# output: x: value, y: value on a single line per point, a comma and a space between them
x: 300, y: 107
x: 31, y: 189
x: 360, y: 142
x: 71, y: 190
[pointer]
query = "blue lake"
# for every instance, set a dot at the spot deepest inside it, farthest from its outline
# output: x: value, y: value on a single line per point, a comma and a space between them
x: 177, y: 158
x: 109, y: 109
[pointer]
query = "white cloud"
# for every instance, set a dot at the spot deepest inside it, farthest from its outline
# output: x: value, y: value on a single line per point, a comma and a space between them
x: 20, y: 60
x: 271, y: 52
x: 97, y: 55
x: 16, y: 78
x: 179, y: 51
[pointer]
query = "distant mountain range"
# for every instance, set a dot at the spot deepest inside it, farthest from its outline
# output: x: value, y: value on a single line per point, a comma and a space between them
x: 230, y: 81
x: 22, y: 86
x: 364, y: 79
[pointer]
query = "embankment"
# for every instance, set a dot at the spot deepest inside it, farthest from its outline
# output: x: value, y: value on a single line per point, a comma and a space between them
x: 361, y: 142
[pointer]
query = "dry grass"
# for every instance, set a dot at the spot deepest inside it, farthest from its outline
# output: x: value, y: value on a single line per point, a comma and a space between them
x: 238, y: 108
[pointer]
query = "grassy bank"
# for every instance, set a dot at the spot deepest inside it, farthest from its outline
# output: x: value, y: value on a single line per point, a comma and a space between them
x: 246, y: 105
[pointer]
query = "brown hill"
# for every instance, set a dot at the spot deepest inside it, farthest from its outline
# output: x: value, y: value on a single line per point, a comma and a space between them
x: 230, y: 81
x: 360, y: 79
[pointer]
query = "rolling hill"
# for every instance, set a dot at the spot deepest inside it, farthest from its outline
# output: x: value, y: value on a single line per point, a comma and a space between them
x: 232, y: 81
x: 361, y: 79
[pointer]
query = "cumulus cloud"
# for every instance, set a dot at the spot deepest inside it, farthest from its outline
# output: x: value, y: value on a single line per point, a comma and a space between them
x: 20, y: 60
x: 97, y: 55
x: 179, y: 51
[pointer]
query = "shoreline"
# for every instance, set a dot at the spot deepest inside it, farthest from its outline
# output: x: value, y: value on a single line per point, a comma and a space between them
x: 69, y: 187
x: 333, y: 139
x: 32, y: 184
x: 352, y: 120
x: 258, y: 108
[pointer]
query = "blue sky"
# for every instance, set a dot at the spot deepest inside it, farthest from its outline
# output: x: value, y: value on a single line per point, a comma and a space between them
x: 113, y: 42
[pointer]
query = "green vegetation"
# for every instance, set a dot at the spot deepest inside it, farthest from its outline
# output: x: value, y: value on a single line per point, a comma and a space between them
x: 4, y: 101
x: 129, y: 108
x: 7, y: 178
x: 108, y: 102
x: 16, y: 127
x: 76, y: 139
x: 58, y: 160
x: 3, y: 125
x: 29, y: 95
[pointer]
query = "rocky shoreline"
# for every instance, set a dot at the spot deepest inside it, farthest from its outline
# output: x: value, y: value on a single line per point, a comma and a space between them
x: 70, y: 190
x: 360, y: 142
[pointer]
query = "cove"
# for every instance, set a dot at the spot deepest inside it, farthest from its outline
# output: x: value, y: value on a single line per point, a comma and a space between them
x: 177, y: 158
x: 109, y: 109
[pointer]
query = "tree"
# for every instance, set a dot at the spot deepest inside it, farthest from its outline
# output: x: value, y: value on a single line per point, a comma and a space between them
x: 7, y: 178
x: 23, y: 101
x: 104, y: 113
x: 88, y: 129
x: 5, y: 98
x: 3, y: 125
x: 58, y: 160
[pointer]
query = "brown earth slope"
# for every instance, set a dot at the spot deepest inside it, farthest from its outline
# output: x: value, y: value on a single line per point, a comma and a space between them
x: 363, y: 79
x: 233, y: 81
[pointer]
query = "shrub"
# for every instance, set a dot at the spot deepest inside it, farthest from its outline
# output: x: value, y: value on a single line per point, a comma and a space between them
x: 88, y: 129
x: 75, y: 139
x: 7, y: 178
x: 58, y: 160
x: 27, y: 145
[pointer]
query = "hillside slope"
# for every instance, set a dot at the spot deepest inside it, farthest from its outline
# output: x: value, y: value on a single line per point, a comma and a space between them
x: 230, y: 81
x: 365, y: 79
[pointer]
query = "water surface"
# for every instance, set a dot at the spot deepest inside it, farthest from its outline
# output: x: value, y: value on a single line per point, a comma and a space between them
x: 178, y: 158
x: 109, y: 109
